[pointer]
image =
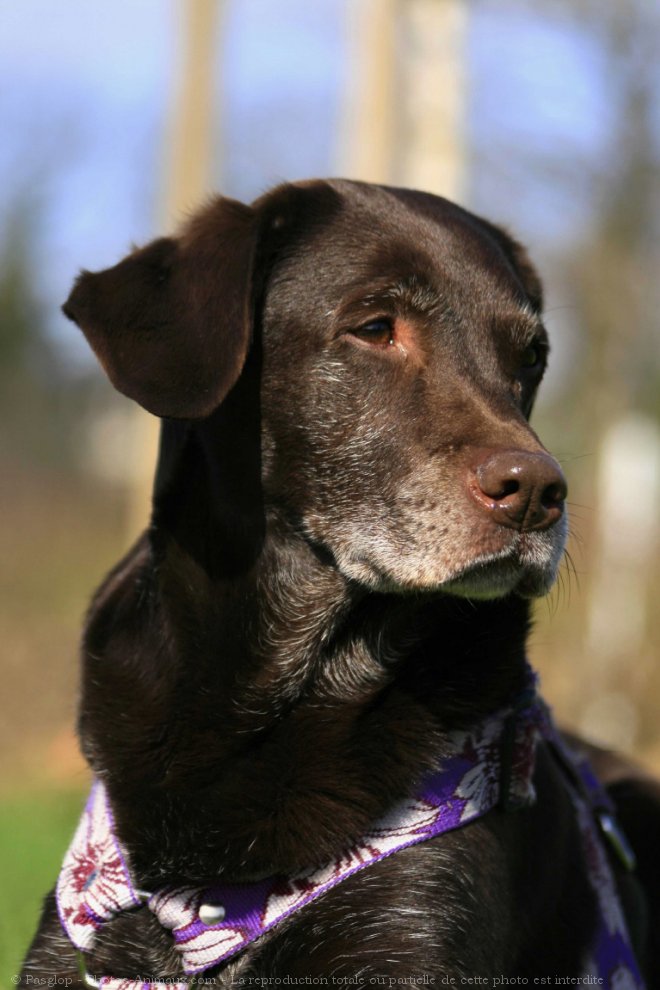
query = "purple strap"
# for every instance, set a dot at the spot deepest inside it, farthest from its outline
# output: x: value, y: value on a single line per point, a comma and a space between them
x: 212, y: 924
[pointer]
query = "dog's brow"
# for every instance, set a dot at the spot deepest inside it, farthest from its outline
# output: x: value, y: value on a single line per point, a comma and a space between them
x: 415, y: 293
x: 409, y: 292
x: 522, y: 328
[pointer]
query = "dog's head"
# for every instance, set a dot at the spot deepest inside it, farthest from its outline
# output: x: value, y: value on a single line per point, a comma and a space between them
x: 401, y: 347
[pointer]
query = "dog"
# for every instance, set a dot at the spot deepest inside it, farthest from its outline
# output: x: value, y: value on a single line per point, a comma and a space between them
x: 351, y: 514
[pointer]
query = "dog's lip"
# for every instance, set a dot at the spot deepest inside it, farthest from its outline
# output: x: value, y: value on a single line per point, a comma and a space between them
x: 526, y: 565
x: 489, y: 577
x: 523, y: 564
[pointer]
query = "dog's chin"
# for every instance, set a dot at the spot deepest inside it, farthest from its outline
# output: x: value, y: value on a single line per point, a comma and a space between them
x: 527, y: 567
x: 497, y: 578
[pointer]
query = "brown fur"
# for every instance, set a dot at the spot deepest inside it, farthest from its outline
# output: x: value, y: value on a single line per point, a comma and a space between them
x: 350, y: 512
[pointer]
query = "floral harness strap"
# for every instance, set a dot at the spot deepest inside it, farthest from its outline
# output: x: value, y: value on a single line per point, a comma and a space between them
x: 490, y: 765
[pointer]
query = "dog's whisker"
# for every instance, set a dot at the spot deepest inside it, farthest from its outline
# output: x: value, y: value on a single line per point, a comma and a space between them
x: 562, y: 458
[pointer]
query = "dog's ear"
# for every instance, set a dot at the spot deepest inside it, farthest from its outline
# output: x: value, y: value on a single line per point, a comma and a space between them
x: 172, y: 323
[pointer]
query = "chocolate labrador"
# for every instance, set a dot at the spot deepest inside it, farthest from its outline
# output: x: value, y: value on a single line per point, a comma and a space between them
x: 318, y: 749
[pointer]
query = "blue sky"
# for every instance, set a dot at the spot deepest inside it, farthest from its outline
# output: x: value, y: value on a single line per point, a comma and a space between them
x: 85, y: 87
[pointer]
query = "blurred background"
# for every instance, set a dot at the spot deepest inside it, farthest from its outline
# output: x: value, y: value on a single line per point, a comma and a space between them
x: 117, y: 119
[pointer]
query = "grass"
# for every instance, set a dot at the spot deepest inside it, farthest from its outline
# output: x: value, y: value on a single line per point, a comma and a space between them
x: 35, y: 831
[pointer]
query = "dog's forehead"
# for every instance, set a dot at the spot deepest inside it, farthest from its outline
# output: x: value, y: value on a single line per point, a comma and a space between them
x: 365, y: 232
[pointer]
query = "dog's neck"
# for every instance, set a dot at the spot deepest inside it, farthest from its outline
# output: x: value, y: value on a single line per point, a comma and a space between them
x: 288, y: 625
x: 232, y: 669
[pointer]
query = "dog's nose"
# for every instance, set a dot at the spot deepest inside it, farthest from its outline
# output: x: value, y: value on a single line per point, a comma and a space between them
x: 522, y: 489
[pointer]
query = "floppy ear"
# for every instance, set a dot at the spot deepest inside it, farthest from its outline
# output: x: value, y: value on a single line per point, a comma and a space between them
x: 172, y: 323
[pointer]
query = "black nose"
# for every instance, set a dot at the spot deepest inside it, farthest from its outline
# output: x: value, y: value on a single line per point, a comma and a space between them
x: 522, y: 489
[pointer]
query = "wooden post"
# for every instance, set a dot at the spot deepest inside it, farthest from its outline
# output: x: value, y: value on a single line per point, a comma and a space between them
x: 370, y: 108
x: 405, y: 94
x: 433, y: 140
x: 190, y: 138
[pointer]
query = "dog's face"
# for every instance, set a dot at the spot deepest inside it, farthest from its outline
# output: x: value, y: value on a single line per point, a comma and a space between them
x: 401, y: 348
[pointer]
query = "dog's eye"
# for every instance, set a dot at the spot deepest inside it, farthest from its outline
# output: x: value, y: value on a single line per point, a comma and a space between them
x: 378, y: 332
x: 532, y: 357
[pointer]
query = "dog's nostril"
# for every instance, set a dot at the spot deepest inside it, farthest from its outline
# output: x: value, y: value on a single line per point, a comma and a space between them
x: 508, y: 487
x: 496, y: 480
x: 554, y: 494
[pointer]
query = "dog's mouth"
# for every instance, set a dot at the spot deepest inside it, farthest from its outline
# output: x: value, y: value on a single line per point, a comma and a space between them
x: 525, y: 564
x: 494, y: 562
x: 527, y: 567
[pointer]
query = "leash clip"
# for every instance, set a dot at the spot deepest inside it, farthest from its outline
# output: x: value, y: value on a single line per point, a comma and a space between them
x: 617, y: 839
x: 86, y: 977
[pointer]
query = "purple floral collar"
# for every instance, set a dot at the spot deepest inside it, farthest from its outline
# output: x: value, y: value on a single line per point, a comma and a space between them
x: 490, y: 765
